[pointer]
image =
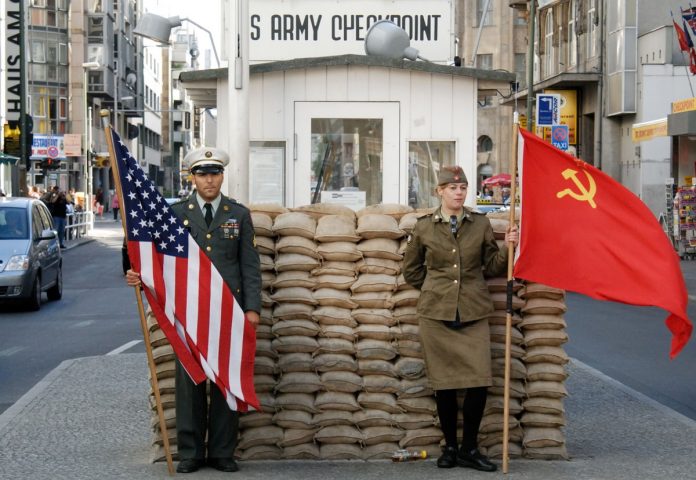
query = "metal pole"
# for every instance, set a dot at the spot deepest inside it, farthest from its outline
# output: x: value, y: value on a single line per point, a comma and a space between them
x: 478, y: 35
x: 83, y: 183
x: 530, y: 62
x: 88, y: 195
x: 24, y: 164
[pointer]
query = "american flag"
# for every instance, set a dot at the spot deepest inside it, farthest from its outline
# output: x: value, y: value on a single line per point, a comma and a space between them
x: 193, y: 305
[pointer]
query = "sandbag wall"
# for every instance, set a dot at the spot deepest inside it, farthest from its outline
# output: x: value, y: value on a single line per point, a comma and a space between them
x: 339, y: 369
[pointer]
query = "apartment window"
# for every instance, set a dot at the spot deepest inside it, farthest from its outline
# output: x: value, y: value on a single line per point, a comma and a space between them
x: 484, y: 144
x: 592, y: 29
x: 518, y: 18
x: 61, y: 20
x: 51, y: 18
x: 51, y: 4
x: 38, y: 51
x: 38, y: 106
x: 63, y: 53
x: 63, y: 4
x: 95, y: 30
x: 521, y: 68
x: 38, y: 3
x: 63, y: 107
x: 548, y: 44
x: 572, y: 37
x: 52, y: 54
x: 95, y: 6
x: 51, y: 73
x: 38, y: 17
x: 484, y: 61
x: 480, y: 5
x: 38, y: 72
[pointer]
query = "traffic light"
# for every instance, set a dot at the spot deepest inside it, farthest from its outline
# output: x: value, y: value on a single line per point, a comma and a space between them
x: 29, y: 137
x: 50, y: 164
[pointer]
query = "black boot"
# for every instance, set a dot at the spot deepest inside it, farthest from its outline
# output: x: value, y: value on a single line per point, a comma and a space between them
x: 474, y: 459
x: 448, y: 459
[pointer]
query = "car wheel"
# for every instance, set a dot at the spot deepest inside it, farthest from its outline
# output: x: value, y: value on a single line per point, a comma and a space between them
x: 56, y: 291
x: 35, y: 299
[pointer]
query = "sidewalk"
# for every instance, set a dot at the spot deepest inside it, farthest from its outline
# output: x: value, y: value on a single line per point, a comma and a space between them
x: 88, y: 419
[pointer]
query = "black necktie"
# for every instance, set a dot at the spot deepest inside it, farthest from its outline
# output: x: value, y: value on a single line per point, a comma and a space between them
x: 208, y: 214
x: 453, y: 224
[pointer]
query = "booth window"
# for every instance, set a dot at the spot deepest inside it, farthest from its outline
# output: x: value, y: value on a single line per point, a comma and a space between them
x: 425, y: 159
x: 347, y: 157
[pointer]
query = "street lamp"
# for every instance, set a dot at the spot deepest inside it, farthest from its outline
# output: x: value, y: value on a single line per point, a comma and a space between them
x: 158, y: 28
x: 386, y: 39
x: 87, y: 177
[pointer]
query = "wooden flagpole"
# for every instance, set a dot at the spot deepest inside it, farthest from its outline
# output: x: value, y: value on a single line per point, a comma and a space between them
x: 138, y: 296
x: 508, y: 316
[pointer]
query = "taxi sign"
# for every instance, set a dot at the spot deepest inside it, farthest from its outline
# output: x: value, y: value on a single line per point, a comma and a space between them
x: 559, y: 136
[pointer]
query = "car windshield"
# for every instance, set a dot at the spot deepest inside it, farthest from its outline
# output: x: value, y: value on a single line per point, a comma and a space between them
x: 13, y: 223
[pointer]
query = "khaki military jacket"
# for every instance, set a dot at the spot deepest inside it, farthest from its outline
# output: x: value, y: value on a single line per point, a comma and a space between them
x: 449, y: 271
x: 230, y: 244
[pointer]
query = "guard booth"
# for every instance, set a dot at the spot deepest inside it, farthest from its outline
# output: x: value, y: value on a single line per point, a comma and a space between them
x: 352, y: 129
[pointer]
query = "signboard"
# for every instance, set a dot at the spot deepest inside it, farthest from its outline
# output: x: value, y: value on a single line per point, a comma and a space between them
x: 684, y: 105
x: 47, y: 146
x: 641, y: 132
x: 351, y: 199
x: 548, y: 109
x: 289, y: 29
x: 559, y: 136
x: 13, y: 61
x: 569, y: 113
x: 72, y: 143
x: 266, y: 174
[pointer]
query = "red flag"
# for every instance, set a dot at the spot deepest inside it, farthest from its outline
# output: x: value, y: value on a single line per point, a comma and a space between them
x: 581, y: 230
x: 193, y: 305
x: 681, y: 37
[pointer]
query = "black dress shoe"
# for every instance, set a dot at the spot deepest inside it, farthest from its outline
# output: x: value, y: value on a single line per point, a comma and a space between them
x: 223, y: 464
x: 189, y: 465
x: 448, y: 459
x: 475, y: 459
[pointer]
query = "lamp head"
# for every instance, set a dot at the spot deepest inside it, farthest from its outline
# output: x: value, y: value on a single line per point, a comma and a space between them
x: 155, y: 27
x: 386, y: 39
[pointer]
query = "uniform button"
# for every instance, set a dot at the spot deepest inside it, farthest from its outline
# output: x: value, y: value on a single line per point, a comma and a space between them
x: 208, y: 236
x: 238, y: 290
x: 455, y: 265
x: 456, y: 281
x: 454, y: 250
x: 209, y: 248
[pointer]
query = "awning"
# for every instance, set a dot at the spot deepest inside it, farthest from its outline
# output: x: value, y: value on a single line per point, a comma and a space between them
x: 8, y: 159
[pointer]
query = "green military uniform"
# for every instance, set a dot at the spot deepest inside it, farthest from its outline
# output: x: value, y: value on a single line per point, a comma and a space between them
x: 449, y: 272
x: 229, y: 243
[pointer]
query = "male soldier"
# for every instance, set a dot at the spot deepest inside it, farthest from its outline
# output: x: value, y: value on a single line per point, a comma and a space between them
x: 223, y: 229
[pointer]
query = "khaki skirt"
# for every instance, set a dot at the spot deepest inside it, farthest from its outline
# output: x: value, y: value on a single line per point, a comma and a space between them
x: 456, y: 358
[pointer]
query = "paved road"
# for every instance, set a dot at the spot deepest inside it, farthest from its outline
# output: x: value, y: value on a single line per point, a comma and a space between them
x: 95, y: 316
x: 631, y: 345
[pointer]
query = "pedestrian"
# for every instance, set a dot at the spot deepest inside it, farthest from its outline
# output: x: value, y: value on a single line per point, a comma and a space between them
x: 115, y: 206
x: 59, y: 211
x: 99, y: 202
x: 34, y: 192
x: 223, y: 229
x: 447, y: 255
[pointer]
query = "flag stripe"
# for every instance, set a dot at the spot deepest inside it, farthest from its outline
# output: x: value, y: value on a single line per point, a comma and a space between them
x: 192, y: 303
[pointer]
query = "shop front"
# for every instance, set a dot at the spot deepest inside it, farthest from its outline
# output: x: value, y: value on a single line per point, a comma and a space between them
x: 353, y: 129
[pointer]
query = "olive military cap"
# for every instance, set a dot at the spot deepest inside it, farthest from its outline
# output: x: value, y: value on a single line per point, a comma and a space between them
x: 453, y: 174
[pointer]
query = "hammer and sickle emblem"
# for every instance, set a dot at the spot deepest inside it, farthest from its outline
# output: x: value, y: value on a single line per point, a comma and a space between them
x: 586, y: 194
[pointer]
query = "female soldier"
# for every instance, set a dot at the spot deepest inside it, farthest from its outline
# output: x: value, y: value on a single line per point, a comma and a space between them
x: 447, y: 256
